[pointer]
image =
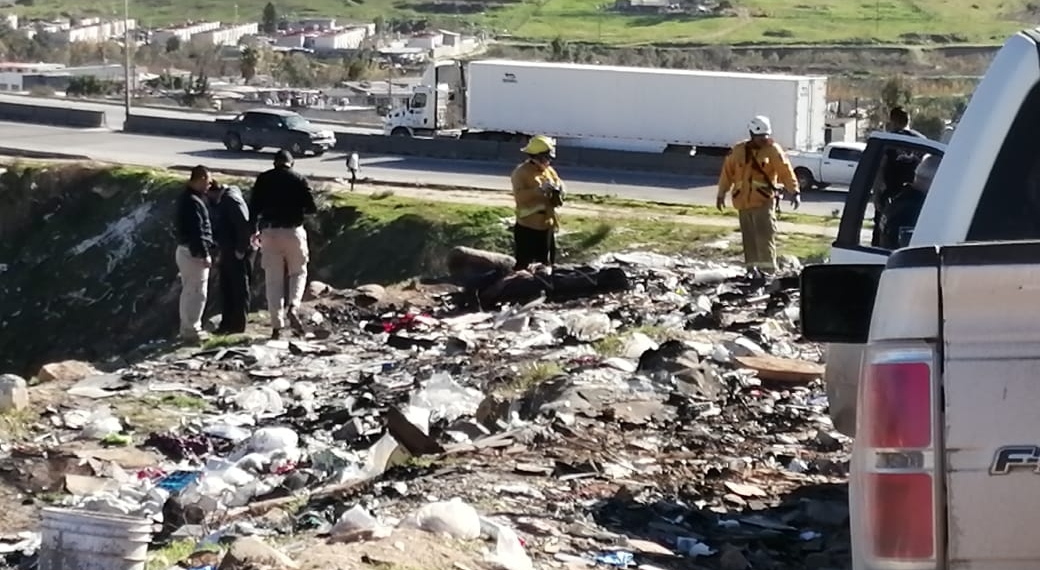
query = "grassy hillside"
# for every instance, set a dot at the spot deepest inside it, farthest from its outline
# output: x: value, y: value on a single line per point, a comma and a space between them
x: 749, y: 21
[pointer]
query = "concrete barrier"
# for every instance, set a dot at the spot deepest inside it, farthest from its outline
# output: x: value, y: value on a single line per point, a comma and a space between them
x: 449, y: 148
x: 58, y: 116
x: 205, y: 129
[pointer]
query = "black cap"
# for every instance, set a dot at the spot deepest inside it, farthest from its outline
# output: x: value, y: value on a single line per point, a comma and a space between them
x: 283, y: 157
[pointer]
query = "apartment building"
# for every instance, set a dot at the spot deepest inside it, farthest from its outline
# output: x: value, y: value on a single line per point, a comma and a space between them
x: 227, y: 35
x: 183, y: 33
x: 350, y: 38
x: 96, y: 31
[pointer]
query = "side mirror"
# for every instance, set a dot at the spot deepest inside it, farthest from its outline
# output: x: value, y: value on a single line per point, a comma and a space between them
x: 837, y: 302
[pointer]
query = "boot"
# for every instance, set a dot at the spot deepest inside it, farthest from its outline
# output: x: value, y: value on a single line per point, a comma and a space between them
x: 294, y: 321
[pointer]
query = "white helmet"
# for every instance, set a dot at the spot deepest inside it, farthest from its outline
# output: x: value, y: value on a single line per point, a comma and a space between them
x: 760, y: 125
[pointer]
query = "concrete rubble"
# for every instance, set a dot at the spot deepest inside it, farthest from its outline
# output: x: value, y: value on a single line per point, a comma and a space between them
x: 669, y: 418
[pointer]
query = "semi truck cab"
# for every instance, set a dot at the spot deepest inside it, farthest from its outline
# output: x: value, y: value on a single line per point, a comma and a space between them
x: 436, y: 104
x: 947, y: 449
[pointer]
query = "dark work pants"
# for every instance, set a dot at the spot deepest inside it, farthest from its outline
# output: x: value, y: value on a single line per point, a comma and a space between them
x: 234, y: 291
x: 533, y: 246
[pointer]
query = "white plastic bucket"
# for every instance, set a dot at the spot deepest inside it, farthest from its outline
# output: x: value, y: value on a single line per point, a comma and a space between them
x: 82, y: 540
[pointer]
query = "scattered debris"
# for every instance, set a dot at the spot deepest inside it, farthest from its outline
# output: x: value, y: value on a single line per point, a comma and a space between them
x: 642, y: 411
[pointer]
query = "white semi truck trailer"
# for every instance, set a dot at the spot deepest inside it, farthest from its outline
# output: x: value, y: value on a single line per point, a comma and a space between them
x: 610, y: 107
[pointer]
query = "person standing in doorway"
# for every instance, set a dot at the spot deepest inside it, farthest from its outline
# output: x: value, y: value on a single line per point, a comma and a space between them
x: 194, y: 244
x: 233, y: 236
x: 280, y: 201
x: 537, y: 192
x: 751, y: 172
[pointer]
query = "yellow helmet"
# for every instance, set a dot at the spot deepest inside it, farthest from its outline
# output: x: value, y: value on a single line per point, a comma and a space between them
x: 540, y: 144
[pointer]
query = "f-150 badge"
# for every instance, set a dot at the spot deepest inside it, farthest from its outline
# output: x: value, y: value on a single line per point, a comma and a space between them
x: 1012, y: 457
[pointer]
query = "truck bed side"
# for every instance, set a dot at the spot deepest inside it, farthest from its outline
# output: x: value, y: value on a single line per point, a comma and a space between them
x: 991, y: 381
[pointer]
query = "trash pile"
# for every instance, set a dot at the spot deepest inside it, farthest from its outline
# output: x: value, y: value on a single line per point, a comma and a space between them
x: 677, y: 423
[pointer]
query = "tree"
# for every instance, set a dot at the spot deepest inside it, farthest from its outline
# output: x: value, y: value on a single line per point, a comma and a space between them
x: 357, y: 69
x: 895, y: 92
x: 269, y: 21
x: 295, y: 70
x: 560, y: 50
x: 249, y: 62
x: 85, y: 86
x: 930, y: 123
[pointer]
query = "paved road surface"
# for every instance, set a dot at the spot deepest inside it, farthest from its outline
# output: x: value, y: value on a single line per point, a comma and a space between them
x: 101, y: 144
x: 115, y: 113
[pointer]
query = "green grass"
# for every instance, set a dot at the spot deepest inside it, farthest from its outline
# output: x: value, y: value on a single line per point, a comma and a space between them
x: 170, y: 554
x: 529, y: 376
x: 225, y: 341
x: 752, y: 21
x: 697, y: 210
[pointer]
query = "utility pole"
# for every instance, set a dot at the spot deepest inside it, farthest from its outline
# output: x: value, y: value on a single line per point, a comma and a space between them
x: 126, y: 57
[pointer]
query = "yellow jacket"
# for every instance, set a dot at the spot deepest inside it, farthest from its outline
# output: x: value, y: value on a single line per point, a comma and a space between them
x: 534, y: 208
x: 753, y: 188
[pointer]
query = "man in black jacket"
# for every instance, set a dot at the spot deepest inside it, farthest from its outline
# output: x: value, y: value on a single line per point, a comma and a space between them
x: 233, y: 235
x: 194, y: 243
x: 280, y: 201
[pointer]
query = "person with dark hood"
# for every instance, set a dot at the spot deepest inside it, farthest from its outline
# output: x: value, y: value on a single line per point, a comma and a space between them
x: 233, y: 235
x: 897, y: 169
x: 194, y: 232
x: 898, y: 220
x: 280, y: 202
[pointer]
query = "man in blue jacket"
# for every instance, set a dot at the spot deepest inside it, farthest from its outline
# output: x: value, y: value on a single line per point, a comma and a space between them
x: 194, y: 244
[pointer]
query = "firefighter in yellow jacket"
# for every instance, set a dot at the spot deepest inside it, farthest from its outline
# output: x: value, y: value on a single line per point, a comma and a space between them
x: 538, y: 192
x: 751, y: 172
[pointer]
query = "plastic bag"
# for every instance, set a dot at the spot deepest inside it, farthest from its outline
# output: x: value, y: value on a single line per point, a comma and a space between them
x: 454, y: 518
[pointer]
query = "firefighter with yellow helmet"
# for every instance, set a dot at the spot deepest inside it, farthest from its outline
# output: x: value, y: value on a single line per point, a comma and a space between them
x: 756, y: 171
x: 538, y: 192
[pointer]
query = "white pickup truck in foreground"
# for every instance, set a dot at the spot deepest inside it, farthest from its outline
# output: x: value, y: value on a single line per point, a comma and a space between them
x: 834, y: 166
x: 945, y: 335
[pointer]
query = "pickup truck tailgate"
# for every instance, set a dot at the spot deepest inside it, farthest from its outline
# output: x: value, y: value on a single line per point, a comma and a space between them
x: 991, y: 382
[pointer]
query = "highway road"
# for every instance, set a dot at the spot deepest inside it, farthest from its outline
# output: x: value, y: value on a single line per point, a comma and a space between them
x: 111, y: 146
x: 115, y: 112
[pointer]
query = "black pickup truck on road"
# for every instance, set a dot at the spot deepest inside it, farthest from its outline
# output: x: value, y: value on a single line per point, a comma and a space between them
x: 276, y: 128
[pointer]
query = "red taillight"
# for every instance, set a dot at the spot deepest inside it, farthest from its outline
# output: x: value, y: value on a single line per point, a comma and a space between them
x: 898, y: 405
x: 901, y: 515
x: 896, y: 456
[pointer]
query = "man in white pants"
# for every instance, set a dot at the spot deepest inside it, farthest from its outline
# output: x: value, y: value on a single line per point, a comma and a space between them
x: 280, y: 202
x: 354, y: 166
x: 194, y: 243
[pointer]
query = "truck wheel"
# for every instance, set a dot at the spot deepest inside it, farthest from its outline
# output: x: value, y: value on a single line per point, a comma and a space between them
x: 805, y: 179
x: 233, y: 142
x: 296, y: 149
x: 400, y: 132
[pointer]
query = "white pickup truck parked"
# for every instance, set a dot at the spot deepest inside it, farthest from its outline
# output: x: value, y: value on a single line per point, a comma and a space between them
x: 945, y: 335
x: 834, y: 166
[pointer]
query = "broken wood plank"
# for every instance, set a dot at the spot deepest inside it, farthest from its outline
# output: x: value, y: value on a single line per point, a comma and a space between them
x: 778, y: 369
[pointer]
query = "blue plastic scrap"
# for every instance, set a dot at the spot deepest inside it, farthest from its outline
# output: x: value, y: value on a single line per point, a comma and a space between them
x: 176, y: 482
x: 618, y: 558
